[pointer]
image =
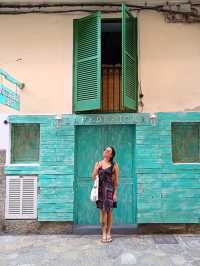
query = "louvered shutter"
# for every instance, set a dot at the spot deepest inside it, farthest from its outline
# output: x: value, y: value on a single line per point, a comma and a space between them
x: 21, y: 197
x: 13, y: 197
x: 29, y: 191
x: 129, y: 60
x: 87, y: 63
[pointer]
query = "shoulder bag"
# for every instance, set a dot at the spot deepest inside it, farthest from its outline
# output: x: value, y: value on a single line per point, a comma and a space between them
x: 95, y: 189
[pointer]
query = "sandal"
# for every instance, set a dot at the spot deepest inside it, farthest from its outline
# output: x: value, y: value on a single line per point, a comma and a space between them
x: 103, y: 239
x: 109, y: 238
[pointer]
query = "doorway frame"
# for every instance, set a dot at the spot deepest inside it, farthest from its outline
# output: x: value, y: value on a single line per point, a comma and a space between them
x: 75, y: 187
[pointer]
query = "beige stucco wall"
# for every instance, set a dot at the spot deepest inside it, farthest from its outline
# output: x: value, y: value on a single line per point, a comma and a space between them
x: 169, y: 62
x: 44, y: 42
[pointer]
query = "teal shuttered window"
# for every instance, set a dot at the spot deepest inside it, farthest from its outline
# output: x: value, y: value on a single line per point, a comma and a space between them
x: 186, y: 142
x: 25, y: 139
x: 87, y: 62
x: 129, y: 59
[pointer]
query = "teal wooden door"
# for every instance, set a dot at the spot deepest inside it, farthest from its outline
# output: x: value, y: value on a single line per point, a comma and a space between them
x: 90, y: 141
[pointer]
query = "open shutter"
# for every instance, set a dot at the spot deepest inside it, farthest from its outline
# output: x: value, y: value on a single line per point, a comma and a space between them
x: 129, y: 60
x: 87, y: 63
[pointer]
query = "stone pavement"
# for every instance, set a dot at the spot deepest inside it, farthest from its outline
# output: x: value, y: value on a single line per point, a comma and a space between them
x: 87, y: 250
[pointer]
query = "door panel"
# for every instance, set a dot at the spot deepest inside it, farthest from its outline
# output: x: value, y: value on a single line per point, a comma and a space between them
x: 90, y: 141
x: 89, y: 145
x: 121, y: 137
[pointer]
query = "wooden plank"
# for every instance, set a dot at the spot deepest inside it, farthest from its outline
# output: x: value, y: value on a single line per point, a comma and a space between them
x: 179, y: 116
x: 30, y: 118
x: 46, y: 177
x: 57, y: 169
x: 56, y: 198
x: 57, y: 145
x: 56, y: 190
x: 110, y: 88
x: 56, y: 207
x: 117, y: 89
x: 67, y: 140
x: 56, y: 182
x: 104, y: 89
x: 59, y: 216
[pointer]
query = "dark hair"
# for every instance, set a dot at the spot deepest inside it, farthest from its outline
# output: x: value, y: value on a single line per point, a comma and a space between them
x: 113, y: 154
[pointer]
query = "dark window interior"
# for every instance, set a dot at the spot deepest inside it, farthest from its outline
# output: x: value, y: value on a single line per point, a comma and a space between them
x: 111, y: 62
x: 111, y: 42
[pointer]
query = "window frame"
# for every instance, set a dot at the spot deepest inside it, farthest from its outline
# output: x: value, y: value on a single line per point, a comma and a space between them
x: 171, y: 138
x: 10, y: 149
x: 124, y: 98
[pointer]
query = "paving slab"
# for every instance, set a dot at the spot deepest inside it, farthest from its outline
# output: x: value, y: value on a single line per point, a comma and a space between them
x: 87, y: 250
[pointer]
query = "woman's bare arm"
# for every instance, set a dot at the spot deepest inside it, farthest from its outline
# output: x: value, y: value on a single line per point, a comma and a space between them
x: 95, y: 170
x: 116, y: 179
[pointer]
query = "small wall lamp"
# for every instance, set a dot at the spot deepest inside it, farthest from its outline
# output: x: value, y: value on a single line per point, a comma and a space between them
x: 153, y: 118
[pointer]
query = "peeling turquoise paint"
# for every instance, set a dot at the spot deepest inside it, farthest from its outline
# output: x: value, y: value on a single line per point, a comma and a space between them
x: 55, y: 170
x: 167, y: 192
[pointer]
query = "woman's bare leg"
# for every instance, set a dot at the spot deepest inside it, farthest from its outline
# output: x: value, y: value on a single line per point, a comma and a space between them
x: 109, y: 222
x: 103, y: 222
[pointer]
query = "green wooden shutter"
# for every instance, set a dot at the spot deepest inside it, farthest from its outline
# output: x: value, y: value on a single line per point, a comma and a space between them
x: 129, y: 60
x: 87, y: 63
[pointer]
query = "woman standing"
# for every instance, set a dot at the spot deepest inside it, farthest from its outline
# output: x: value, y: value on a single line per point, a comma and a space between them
x: 108, y: 172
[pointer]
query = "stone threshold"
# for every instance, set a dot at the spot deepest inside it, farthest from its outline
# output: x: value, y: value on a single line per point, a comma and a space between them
x: 96, y: 229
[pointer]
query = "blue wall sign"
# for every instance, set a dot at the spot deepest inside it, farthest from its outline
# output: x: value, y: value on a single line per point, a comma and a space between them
x: 8, y: 96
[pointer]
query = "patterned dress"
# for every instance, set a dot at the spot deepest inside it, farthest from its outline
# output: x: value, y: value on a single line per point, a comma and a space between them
x: 106, y: 188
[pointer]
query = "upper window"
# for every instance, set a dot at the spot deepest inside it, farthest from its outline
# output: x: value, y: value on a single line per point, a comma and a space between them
x: 105, y: 63
x: 186, y: 142
x: 25, y: 139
